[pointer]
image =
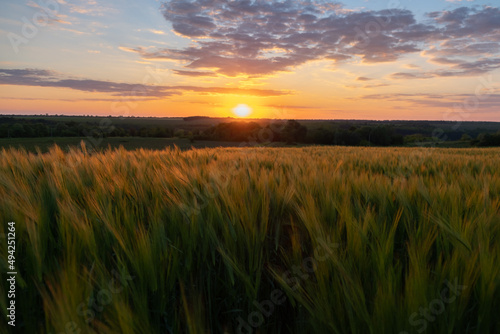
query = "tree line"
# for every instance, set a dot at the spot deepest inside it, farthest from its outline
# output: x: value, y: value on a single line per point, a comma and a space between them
x: 27, y: 128
x: 291, y: 132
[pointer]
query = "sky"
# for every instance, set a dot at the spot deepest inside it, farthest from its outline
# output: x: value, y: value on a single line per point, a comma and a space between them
x: 300, y: 59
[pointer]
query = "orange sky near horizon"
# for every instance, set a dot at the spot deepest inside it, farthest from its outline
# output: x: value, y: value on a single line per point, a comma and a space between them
x: 436, y: 60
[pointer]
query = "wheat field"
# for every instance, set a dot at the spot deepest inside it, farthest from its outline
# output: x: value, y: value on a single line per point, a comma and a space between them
x: 254, y: 240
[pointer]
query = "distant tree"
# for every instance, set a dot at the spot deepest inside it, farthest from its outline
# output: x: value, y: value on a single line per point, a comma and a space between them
x: 465, y: 137
x: 294, y: 132
x: 322, y: 136
x: 381, y: 135
x: 17, y: 130
x: 143, y: 132
x: 41, y: 130
x: 487, y: 139
x: 60, y: 128
x: 4, y: 131
x: 415, y: 138
x: 118, y: 132
x: 397, y: 139
x: 234, y: 131
x: 348, y: 138
x: 29, y: 130
x: 179, y: 133
x: 364, y: 132
x: 190, y: 136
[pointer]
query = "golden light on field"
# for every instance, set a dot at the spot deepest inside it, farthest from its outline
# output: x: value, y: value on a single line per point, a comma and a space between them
x: 242, y: 110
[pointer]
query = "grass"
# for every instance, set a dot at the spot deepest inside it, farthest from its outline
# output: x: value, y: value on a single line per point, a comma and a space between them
x: 135, y: 143
x: 262, y: 240
x: 101, y: 144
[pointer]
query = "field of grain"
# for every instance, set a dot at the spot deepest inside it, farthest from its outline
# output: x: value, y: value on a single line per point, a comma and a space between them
x: 254, y: 240
x: 101, y: 144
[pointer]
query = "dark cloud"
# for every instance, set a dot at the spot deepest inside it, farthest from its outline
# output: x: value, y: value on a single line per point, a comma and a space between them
x: 243, y: 37
x: 455, y: 102
x: 468, y: 43
x: 262, y: 37
x: 73, y: 100
x: 458, y: 68
x: 445, y: 61
x: 43, y: 78
x: 463, y: 48
x: 376, y: 85
x: 232, y: 91
x: 478, y: 67
x: 469, y: 22
x: 411, y: 75
x: 194, y: 73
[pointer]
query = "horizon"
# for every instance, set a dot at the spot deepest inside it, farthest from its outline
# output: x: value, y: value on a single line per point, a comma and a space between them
x: 246, y: 119
x: 313, y: 60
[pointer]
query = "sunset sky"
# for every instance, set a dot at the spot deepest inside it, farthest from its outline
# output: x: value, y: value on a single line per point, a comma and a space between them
x: 360, y: 59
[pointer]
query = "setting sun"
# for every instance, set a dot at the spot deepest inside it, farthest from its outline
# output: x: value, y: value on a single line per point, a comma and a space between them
x: 242, y: 110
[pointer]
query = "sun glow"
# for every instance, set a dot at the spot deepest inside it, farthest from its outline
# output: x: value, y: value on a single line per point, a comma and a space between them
x: 242, y: 110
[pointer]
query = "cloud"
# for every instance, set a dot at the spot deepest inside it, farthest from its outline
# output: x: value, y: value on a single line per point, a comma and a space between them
x: 284, y: 107
x: 469, y: 22
x: 72, y: 100
x: 44, y: 78
x: 153, y: 31
x: 467, y: 48
x: 194, y: 73
x: 411, y: 75
x: 76, y: 32
x: 157, y: 32
x: 445, y: 61
x: 468, y: 43
x: 48, y: 16
x: 377, y: 85
x: 235, y: 37
x: 456, y: 102
x: 90, y: 7
x: 233, y: 91
x: 458, y: 68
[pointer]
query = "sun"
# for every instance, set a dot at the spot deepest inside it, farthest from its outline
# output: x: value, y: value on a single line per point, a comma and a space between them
x: 242, y: 110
